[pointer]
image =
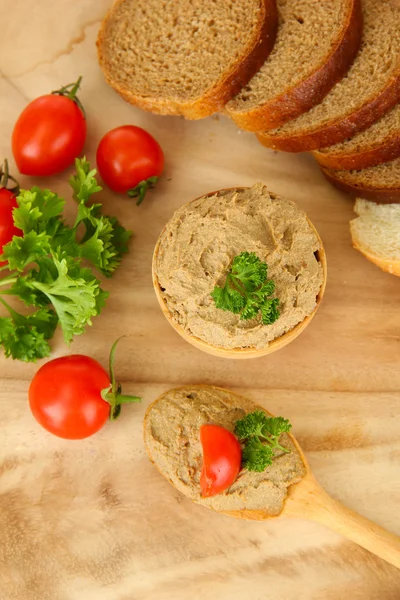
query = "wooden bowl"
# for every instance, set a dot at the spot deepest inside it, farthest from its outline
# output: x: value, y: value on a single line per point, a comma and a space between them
x: 240, y: 353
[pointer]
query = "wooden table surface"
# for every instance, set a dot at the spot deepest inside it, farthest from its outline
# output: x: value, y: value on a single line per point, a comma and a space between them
x: 93, y: 520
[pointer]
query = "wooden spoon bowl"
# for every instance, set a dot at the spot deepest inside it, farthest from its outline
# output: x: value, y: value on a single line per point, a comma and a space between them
x: 305, y: 500
x: 240, y: 353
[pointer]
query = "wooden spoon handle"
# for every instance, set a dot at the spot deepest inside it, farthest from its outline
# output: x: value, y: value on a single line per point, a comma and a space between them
x: 317, y: 505
x: 360, y: 530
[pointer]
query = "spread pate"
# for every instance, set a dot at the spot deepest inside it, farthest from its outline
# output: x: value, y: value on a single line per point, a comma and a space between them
x: 198, y: 245
x: 172, y: 437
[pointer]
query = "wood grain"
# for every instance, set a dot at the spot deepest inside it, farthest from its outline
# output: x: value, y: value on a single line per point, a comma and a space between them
x: 93, y: 519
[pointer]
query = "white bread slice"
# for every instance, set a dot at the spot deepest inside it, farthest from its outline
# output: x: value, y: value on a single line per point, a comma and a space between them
x: 376, y: 234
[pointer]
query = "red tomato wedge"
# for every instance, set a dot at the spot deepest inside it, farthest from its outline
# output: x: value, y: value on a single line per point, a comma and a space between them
x: 222, y: 456
x: 50, y: 132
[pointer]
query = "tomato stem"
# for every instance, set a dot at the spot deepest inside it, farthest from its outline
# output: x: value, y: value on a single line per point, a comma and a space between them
x: 70, y: 91
x: 112, y: 394
x: 75, y: 88
x: 5, y: 178
x: 140, y: 190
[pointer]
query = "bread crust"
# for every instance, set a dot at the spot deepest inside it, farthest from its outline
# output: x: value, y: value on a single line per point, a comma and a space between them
x: 369, y: 157
x: 309, y: 92
x: 223, y: 90
x: 340, y: 129
x: 389, y: 266
x: 379, y: 195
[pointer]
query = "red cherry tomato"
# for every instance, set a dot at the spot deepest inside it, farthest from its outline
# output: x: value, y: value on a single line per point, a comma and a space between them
x: 128, y: 159
x: 50, y: 133
x: 7, y: 227
x: 222, y: 458
x: 64, y: 396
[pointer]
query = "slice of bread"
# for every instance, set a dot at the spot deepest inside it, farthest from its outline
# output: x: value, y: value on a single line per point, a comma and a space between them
x: 184, y: 57
x: 376, y: 233
x: 315, y: 45
x: 369, y: 90
x: 380, y: 183
x: 378, y: 144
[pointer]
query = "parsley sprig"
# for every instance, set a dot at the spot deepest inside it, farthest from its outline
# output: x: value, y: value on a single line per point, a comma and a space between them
x: 260, y: 435
x: 247, y: 290
x: 45, y: 268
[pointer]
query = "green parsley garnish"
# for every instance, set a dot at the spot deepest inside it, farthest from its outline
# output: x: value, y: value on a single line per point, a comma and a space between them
x: 44, y: 267
x: 247, y: 290
x: 260, y: 435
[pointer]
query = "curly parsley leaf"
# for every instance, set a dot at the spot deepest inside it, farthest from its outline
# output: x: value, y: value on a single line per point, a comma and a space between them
x: 44, y: 266
x: 23, y: 289
x: 104, y: 243
x: 260, y: 435
x: 105, y: 240
x: 275, y: 426
x: 84, y: 183
x: 270, y: 311
x: 22, y: 342
x: 247, y: 290
x: 251, y: 309
x: 256, y: 456
x: 227, y: 298
x: 251, y: 425
x: 97, y: 248
x: 74, y: 299
x: 37, y: 209
x: 120, y: 237
x: 22, y: 251
x: 25, y: 337
x: 249, y: 270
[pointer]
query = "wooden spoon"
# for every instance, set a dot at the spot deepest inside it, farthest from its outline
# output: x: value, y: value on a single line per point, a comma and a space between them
x: 307, y: 500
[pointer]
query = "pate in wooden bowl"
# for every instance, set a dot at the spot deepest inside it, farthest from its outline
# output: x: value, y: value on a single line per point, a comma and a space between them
x: 197, y: 248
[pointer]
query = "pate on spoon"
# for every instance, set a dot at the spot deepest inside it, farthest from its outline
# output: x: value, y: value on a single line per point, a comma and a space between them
x: 285, y: 488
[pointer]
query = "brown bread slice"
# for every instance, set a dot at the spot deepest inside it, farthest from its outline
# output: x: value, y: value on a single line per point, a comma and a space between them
x: 369, y: 90
x: 184, y: 57
x: 380, y: 184
x: 375, y: 233
x: 315, y: 45
x: 378, y: 144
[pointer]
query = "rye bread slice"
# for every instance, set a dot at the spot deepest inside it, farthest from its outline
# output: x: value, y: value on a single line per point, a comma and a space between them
x: 316, y: 44
x: 378, y: 144
x: 184, y: 57
x: 376, y: 234
x: 380, y: 184
x: 369, y: 90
